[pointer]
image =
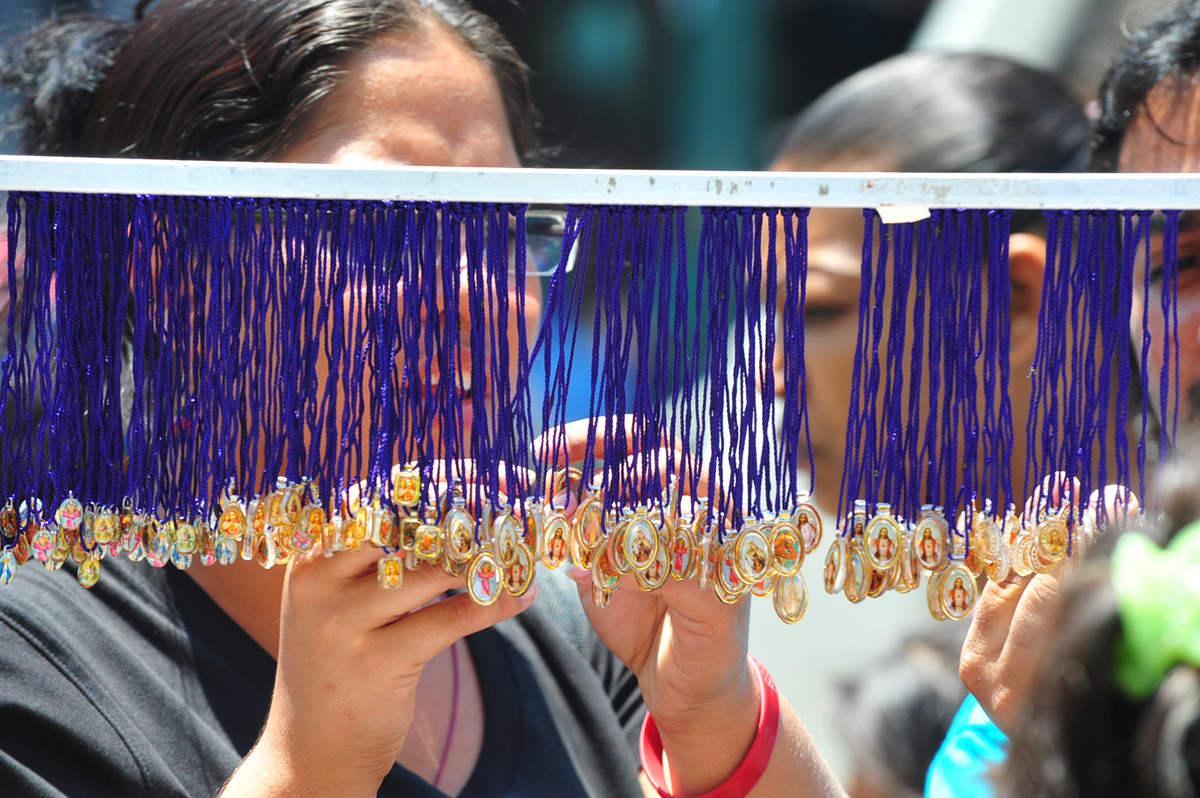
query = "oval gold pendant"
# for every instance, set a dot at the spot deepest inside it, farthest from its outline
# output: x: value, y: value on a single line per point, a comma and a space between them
x: 787, y: 548
x: 957, y: 592
x: 604, y: 569
x: 656, y: 575
x: 855, y: 586
x: 752, y: 560
x: 790, y: 598
x: 834, y: 575
x: 808, y: 522
x: 483, y: 579
x: 882, y: 541
x: 556, y: 547
x: 89, y: 572
x: 930, y: 544
x: 640, y: 544
x: 518, y: 572
x: 933, y: 596
x: 682, y: 552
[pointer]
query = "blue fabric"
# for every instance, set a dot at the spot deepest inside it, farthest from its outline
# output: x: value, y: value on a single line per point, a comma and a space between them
x: 972, y: 747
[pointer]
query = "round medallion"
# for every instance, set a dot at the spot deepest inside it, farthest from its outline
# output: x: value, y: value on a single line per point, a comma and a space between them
x: 753, y: 559
x: 460, y: 537
x: 1052, y: 537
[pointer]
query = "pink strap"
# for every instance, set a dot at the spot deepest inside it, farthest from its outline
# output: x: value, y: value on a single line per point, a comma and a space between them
x: 753, y: 766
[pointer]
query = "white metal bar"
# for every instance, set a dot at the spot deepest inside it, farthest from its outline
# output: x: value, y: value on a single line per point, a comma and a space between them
x: 602, y: 187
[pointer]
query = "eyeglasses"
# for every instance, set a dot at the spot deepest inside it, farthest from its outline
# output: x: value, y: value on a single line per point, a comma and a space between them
x: 544, y: 230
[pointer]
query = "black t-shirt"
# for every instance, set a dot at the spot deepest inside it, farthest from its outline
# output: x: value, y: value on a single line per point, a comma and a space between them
x: 142, y: 686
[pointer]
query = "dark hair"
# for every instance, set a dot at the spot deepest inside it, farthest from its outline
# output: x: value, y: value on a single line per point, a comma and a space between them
x: 893, y: 718
x: 1082, y: 736
x: 220, y: 79
x: 939, y: 112
x: 1167, y: 46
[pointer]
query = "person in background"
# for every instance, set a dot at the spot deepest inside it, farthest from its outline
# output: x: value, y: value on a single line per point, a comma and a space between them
x: 894, y: 715
x: 919, y: 112
x: 1114, y: 710
x: 922, y: 112
x: 1149, y: 121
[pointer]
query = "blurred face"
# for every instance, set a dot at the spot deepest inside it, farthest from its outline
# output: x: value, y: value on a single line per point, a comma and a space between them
x: 830, y: 335
x: 835, y: 239
x: 419, y: 99
x: 1165, y: 137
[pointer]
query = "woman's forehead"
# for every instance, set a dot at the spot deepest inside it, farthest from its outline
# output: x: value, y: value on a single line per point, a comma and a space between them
x: 1164, y: 135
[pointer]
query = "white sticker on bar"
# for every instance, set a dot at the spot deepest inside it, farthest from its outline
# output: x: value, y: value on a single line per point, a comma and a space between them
x: 902, y: 214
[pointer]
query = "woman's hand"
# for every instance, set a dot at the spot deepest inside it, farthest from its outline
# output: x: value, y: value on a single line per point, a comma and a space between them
x: 350, y: 657
x: 688, y: 651
x: 1004, y: 646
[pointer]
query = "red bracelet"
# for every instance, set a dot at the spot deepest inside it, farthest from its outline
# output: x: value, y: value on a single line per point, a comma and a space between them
x: 753, y: 766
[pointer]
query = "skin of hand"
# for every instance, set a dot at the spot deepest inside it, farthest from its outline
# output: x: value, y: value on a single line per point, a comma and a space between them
x: 688, y: 651
x: 1003, y: 650
x: 350, y: 658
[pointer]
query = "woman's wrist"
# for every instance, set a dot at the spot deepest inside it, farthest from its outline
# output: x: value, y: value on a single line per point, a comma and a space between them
x: 267, y: 772
x: 721, y: 750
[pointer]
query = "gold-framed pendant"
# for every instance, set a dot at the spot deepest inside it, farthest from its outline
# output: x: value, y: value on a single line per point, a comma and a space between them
x: 682, y: 551
x: 808, y: 521
x: 640, y: 544
x: 517, y: 573
x: 788, y: 548
x: 659, y: 571
x: 406, y: 487
x: 790, y: 597
x: 881, y: 543
x: 957, y: 592
x: 88, y: 573
x: 1052, y: 538
x: 752, y: 559
x: 391, y: 572
x: 557, y: 532
x: 855, y: 585
x: 605, y: 575
x: 483, y: 578
x: 429, y: 542
x: 933, y: 595
x: 931, y: 543
x: 834, y: 573
x: 459, y: 545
